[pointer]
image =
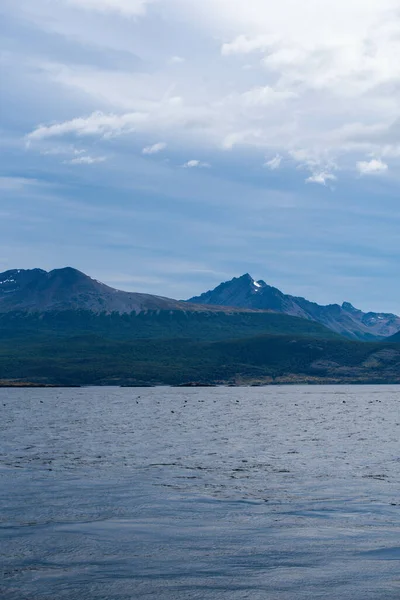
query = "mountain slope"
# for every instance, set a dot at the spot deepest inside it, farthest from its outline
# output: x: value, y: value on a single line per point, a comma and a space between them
x: 66, y: 289
x: 345, y: 320
x: 394, y: 339
x: 167, y: 324
x: 97, y: 360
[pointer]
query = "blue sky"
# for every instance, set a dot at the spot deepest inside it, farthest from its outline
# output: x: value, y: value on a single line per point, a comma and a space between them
x: 163, y: 146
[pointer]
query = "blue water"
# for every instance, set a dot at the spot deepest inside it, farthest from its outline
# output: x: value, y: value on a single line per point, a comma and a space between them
x: 286, y: 493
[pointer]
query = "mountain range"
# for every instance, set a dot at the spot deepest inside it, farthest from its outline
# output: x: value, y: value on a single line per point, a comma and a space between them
x: 345, y: 320
x: 38, y: 291
x: 65, y: 328
x: 33, y: 301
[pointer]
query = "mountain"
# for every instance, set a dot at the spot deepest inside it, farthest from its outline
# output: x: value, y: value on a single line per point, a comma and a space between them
x: 68, y: 302
x: 345, y: 320
x: 241, y: 306
x: 64, y: 328
x: 36, y: 290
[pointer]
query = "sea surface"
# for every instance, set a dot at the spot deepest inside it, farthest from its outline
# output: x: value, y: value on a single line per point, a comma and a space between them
x: 272, y: 493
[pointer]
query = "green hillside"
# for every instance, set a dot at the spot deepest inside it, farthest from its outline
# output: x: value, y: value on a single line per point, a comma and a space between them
x: 92, y: 359
x: 157, y: 324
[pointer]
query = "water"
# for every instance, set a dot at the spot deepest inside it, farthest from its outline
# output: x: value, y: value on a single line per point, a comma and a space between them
x: 284, y: 493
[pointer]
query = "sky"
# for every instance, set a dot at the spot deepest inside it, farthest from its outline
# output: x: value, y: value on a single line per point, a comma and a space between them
x: 164, y: 146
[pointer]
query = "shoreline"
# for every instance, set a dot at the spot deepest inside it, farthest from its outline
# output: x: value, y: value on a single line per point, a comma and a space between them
x: 243, y: 384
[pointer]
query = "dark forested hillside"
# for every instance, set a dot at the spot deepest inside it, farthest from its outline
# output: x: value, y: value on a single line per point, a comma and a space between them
x: 92, y: 359
x: 157, y: 324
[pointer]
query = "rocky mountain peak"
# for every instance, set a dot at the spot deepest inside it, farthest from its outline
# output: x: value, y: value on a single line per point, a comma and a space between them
x: 245, y: 278
x: 349, y: 307
x: 345, y: 319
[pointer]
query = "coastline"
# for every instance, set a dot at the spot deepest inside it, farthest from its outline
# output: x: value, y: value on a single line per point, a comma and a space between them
x: 284, y: 380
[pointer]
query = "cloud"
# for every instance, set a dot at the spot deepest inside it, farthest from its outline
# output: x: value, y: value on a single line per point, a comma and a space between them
x: 125, y: 7
x: 98, y: 123
x: 274, y: 163
x: 266, y: 95
x: 322, y: 178
x: 372, y: 167
x: 245, y: 45
x: 155, y: 148
x: 320, y: 23
x: 196, y: 164
x: 326, y: 80
x: 318, y: 163
x: 17, y: 183
x: 176, y: 60
x: 86, y: 160
x: 57, y: 150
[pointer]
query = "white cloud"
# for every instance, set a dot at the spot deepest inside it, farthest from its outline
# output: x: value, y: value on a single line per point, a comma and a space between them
x: 372, y: 167
x: 176, y: 60
x: 322, y: 178
x: 155, y: 148
x: 86, y: 160
x: 125, y: 7
x: 17, y: 183
x: 318, y: 163
x: 274, y: 163
x: 97, y: 123
x: 245, y: 45
x: 265, y: 95
x: 57, y: 150
x: 317, y: 22
x: 193, y: 164
x: 326, y: 81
